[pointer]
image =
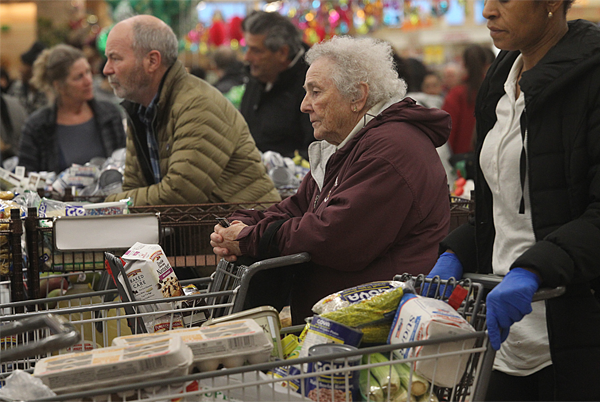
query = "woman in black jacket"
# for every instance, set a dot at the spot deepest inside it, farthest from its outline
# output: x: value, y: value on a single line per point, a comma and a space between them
x: 538, y: 202
x: 76, y: 128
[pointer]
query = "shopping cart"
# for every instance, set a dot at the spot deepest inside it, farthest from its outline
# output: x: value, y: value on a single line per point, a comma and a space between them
x: 100, y: 316
x: 183, y: 233
x: 259, y: 383
x: 39, y: 334
x: 11, y: 257
x: 184, y: 236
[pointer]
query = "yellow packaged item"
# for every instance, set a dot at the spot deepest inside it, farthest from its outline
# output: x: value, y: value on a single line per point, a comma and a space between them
x: 369, y: 307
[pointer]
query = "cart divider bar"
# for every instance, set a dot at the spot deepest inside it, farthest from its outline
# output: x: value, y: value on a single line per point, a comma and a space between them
x: 103, y: 306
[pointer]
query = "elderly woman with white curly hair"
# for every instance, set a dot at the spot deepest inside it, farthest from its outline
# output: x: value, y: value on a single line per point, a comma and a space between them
x: 375, y: 203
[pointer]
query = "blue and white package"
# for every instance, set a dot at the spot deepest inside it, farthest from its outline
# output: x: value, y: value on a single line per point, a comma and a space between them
x: 420, y: 318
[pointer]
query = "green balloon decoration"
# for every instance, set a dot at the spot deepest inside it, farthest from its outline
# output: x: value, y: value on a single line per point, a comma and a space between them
x: 101, y: 39
x: 171, y: 12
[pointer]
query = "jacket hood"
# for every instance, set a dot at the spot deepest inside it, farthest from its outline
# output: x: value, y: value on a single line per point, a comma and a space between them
x: 435, y: 123
x: 575, y: 54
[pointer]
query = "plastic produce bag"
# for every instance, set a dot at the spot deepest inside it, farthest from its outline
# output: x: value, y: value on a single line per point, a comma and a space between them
x: 22, y: 386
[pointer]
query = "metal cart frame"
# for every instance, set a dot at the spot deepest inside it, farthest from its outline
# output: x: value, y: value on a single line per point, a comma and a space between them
x: 226, y: 382
x: 221, y: 294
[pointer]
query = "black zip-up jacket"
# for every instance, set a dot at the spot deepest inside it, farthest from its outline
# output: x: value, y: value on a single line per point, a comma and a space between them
x: 39, y: 149
x: 562, y: 107
x: 274, y: 117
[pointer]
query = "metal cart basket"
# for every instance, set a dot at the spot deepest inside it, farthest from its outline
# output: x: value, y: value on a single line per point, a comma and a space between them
x: 99, y: 316
x: 260, y: 383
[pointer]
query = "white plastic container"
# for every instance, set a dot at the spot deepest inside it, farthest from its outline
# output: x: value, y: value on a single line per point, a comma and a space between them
x: 231, y: 343
x: 265, y: 316
x: 420, y: 318
x: 156, y: 358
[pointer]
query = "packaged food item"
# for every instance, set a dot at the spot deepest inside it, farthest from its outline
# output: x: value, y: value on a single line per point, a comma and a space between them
x: 6, y: 195
x: 322, y: 330
x: 353, y: 295
x: 7, y: 205
x: 265, y: 316
x: 149, y: 273
x: 106, y: 208
x: 230, y: 344
x: 369, y: 307
x: 149, y: 276
x: 8, y: 180
x: 328, y: 386
x: 420, y: 318
x: 157, y: 358
x: 193, y: 317
x: 289, y: 343
x: 285, y: 317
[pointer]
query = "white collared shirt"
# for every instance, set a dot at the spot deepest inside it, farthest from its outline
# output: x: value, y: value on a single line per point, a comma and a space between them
x: 527, y: 349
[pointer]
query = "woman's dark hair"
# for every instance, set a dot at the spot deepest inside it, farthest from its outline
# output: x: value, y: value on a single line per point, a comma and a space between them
x: 568, y: 4
x: 476, y: 59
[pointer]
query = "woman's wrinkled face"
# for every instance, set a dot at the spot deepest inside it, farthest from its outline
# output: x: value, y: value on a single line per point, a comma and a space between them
x: 516, y: 24
x: 78, y: 85
x: 330, y: 113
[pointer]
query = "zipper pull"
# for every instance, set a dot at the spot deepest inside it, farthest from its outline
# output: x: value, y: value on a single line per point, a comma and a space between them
x: 316, y: 201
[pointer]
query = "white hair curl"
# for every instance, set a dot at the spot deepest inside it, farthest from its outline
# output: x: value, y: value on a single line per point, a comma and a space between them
x: 359, y: 60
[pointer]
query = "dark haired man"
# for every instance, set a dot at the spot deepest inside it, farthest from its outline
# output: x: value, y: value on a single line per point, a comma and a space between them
x: 271, y: 101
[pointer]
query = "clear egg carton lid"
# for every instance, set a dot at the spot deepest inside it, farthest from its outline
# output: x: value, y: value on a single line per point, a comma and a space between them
x: 229, y: 339
x: 113, y: 365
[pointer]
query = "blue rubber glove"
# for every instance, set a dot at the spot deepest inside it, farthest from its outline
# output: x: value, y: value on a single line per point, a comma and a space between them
x: 447, y: 266
x: 509, y: 302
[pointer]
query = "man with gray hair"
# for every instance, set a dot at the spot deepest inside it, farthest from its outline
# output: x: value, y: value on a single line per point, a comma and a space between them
x: 186, y: 143
x: 271, y: 101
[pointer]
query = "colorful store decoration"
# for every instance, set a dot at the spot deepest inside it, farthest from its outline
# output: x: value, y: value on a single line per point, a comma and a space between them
x: 167, y: 10
x: 317, y: 19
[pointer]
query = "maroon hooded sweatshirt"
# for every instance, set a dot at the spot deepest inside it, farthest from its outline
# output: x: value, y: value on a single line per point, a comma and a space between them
x: 382, y: 211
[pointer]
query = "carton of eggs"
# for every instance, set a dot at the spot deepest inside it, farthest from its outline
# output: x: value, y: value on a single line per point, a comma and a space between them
x: 230, y: 344
x: 160, y: 357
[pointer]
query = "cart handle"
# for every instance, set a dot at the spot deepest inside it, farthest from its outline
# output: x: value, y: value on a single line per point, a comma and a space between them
x: 63, y: 336
x: 269, y: 263
x: 489, y: 281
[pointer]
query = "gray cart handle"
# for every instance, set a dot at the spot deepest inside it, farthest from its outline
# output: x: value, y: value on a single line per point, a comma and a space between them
x: 63, y: 336
x: 270, y: 263
x: 489, y: 281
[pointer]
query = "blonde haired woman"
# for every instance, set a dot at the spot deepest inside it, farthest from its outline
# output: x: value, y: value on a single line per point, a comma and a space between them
x: 75, y: 127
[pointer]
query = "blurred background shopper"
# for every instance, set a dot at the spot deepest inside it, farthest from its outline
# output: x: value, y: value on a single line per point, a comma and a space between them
x: 75, y: 127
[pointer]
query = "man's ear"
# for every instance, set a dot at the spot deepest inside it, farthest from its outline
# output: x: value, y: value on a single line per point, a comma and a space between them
x: 152, y: 61
x: 283, y: 53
